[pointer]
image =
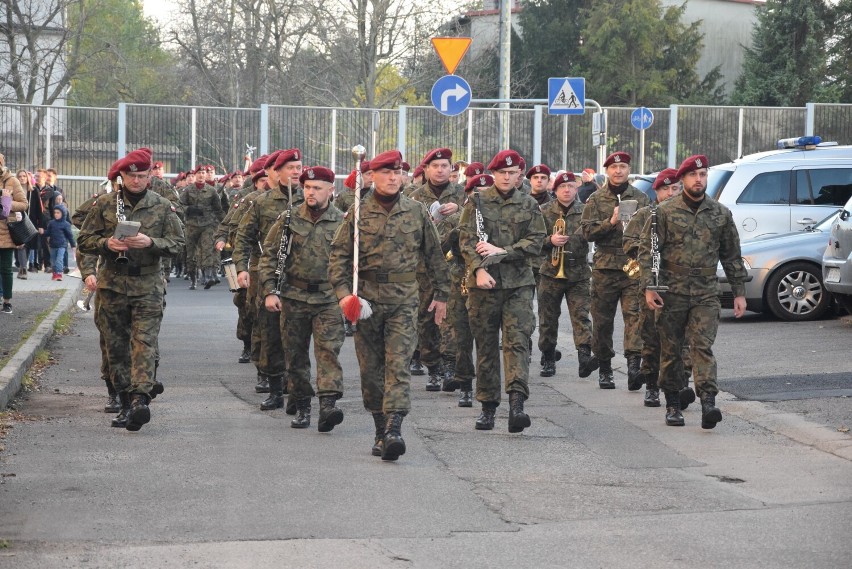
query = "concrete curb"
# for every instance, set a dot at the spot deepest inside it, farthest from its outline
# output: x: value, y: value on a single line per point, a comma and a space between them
x: 13, y: 372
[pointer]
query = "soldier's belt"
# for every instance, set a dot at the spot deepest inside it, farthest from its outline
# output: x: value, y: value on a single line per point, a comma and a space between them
x: 309, y: 286
x: 131, y: 271
x: 610, y: 249
x: 688, y: 271
x: 377, y: 277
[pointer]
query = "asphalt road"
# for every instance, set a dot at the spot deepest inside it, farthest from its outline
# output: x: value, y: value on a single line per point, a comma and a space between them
x: 597, y: 481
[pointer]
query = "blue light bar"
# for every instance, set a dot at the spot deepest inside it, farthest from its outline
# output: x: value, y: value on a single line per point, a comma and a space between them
x: 799, y: 142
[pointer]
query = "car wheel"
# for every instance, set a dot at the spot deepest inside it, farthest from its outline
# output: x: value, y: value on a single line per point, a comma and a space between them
x: 795, y: 293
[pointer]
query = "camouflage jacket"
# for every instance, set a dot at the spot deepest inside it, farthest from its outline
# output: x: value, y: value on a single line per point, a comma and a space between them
x: 79, y: 215
x: 392, y: 245
x: 344, y: 200
x: 691, y: 245
x: 201, y: 206
x: 608, y: 238
x: 307, y: 263
x: 169, y: 192
x: 575, y: 251
x: 142, y: 274
x: 227, y: 228
x: 514, y: 224
x: 261, y: 213
x: 453, y: 193
x: 633, y: 231
x: 448, y: 232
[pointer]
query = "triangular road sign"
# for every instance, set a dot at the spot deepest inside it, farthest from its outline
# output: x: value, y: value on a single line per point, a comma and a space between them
x: 566, y: 98
x: 451, y: 51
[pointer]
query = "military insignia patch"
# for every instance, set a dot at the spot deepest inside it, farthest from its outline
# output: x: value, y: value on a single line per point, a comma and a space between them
x: 311, y: 174
x: 617, y: 158
x: 132, y: 167
x: 508, y: 160
x: 698, y: 163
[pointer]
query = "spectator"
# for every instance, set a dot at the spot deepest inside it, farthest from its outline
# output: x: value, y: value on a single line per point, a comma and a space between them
x: 59, y: 237
x: 589, y: 186
x: 12, y: 200
x: 35, y: 211
x: 48, y: 200
x: 53, y: 176
x: 22, y: 251
x: 60, y: 203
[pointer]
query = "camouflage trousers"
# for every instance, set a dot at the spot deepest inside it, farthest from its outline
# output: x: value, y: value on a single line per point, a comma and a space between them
x: 130, y: 325
x: 508, y: 311
x: 693, y: 320
x: 651, y: 346
x: 245, y: 316
x: 270, y: 359
x: 461, y: 335
x: 300, y: 321
x: 428, y: 333
x: 253, y: 309
x: 96, y: 302
x: 577, y: 295
x: 384, y: 343
x: 609, y: 287
x: 200, y: 253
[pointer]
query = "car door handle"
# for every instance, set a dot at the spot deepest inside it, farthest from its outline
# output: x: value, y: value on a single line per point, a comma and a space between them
x: 806, y: 221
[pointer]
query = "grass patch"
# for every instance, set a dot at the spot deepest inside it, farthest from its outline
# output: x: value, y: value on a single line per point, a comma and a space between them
x: 26, y: 335
x: 63, y: 323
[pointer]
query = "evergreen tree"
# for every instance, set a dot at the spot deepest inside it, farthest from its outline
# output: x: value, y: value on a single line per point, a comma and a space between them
x: 839, y: 48
x: 787, y: 62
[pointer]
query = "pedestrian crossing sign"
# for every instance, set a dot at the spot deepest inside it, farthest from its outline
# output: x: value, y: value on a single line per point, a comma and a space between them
x: 566, y: 95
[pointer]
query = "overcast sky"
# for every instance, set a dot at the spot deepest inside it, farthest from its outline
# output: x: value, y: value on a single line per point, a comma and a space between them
x: 158, y: 9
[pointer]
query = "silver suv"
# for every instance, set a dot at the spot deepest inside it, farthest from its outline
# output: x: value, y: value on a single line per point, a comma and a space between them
x: 837, y: 259
x: 783, y: 190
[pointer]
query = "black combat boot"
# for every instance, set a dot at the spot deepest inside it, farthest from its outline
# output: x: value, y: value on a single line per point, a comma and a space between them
x: 380, y: 420
x: 209, y: 278
x: 113, y: 404
x: 634, y: 372
x: 139, y: 413
x: 548, y: 367
x: 292, y: 405
x: 158, y: 388
x: 674, y: 418
x: 588, y: 362
x: 276, y: 394
x: 687, y: 396
x: 348, y: 328
x: 710, y: 414
x: 605, y: 377
x: 466, y: 394
x: 329, y: 416
x: 436, y: 376
x: 450, y: 383
x: 485, y: 421
x: 245, y: 357
x: 192, y: 281
x: 303, y: 414
x: 393, y: 446
x: 262, y: 385
x: 120, y: 420
x: 518, y: 420
x: 557, y: 355
x: 652, y: 392
x: 416, y: 366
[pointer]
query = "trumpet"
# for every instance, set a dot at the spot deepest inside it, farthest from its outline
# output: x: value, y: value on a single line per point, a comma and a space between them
x: 557, y: 257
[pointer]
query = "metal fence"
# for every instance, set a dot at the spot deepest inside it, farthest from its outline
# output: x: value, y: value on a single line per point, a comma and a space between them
x: 81, y: 142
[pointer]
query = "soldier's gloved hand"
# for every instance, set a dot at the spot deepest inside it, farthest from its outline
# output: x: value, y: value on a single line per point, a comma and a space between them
x: 484, y: 280
x: 273, y: 303
x: 243, y: 279
x: 440, y: 309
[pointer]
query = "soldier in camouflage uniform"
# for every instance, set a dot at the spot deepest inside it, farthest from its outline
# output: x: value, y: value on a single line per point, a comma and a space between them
x: 163, y: 188
x: 131, y: 295
x: 464, y: 371
x: 305, y: 298
x: 395, y: 234
x: 610, y: 285
x: 344, y: 200
x: 284, y: 168
x: 440, y: 363
x: 203, y: 212
x: 695, y: 233
x: 573, y: 286
x: 665, y: 185
x: 500, y: 286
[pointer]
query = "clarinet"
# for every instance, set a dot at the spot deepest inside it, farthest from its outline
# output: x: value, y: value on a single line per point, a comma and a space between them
x: 655, y: 254
x: 284, y: 248
x: 480, y: 233
x: 119, y: 214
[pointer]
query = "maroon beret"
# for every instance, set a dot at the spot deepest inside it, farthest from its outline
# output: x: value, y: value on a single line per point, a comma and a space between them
x: 562, y: 177
x: 504, y: 159
x: 270, y: 160
x: 523, y: 164
x: 694, y: 162
x: 365, y: 166
x: 480, y: 181
x: 258, y: 164
x: 137, y: 161
x: 225, y: 178
x: 351, y: 180
x: 392, y: 159
x: 665, y: 178
x: 258, y: 175
x: 540, y: 169
x: 157, y: 164
x: 406, y: 166
x: 284, y: 156
x: 180, y: 177
x: 455, y: 167
x: 474, y: 169
x: 437, y: 154
x: 418, y: 172
x: 617, y: 157
x: 316, y: 173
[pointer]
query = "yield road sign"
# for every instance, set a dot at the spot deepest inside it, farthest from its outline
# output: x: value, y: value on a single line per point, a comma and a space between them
x: 451, y: 95
x: 451, y: 51
x: 566, y: 95
x: 642, y: 118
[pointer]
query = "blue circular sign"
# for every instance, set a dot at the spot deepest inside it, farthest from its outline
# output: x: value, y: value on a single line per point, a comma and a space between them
x: 451, y: 95
x: 642, y: 118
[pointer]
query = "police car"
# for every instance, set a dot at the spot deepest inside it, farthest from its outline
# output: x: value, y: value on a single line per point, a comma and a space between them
x: 784, y: 190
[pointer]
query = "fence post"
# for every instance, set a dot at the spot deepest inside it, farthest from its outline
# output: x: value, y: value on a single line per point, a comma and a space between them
x: 810, y: 119
x: 48, y: 128
x: 194, y: 115
x: 264, y: 129
x: 672, y: 161
x: 565, y: 142
x: 121, y: 144
x: 537, y: 118
x: 401, y: 133
x: 740, y: 129
x: 333, y: 165
x: 469, y: 135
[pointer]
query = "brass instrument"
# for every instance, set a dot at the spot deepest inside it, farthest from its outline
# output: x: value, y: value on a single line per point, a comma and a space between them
x: 631, y: 268
x: 557, y: 257
x: 119, y: 214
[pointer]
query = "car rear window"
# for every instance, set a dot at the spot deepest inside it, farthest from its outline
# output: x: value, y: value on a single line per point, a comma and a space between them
x: 823, y: 186
x: 716, y: 180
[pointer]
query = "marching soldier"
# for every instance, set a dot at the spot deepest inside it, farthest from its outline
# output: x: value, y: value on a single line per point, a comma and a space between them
x: 692, y: 235
x: 203, y: 212
x: 564, y: 275
x: 449, y: 196
x: 344, y: 200
x: 131, y: 292
x: 293, y: 277
x: 166, y: 190
x: 396, y: 233
x: 539, y: 177
x: 500, y: 233
x: 610, y: 285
